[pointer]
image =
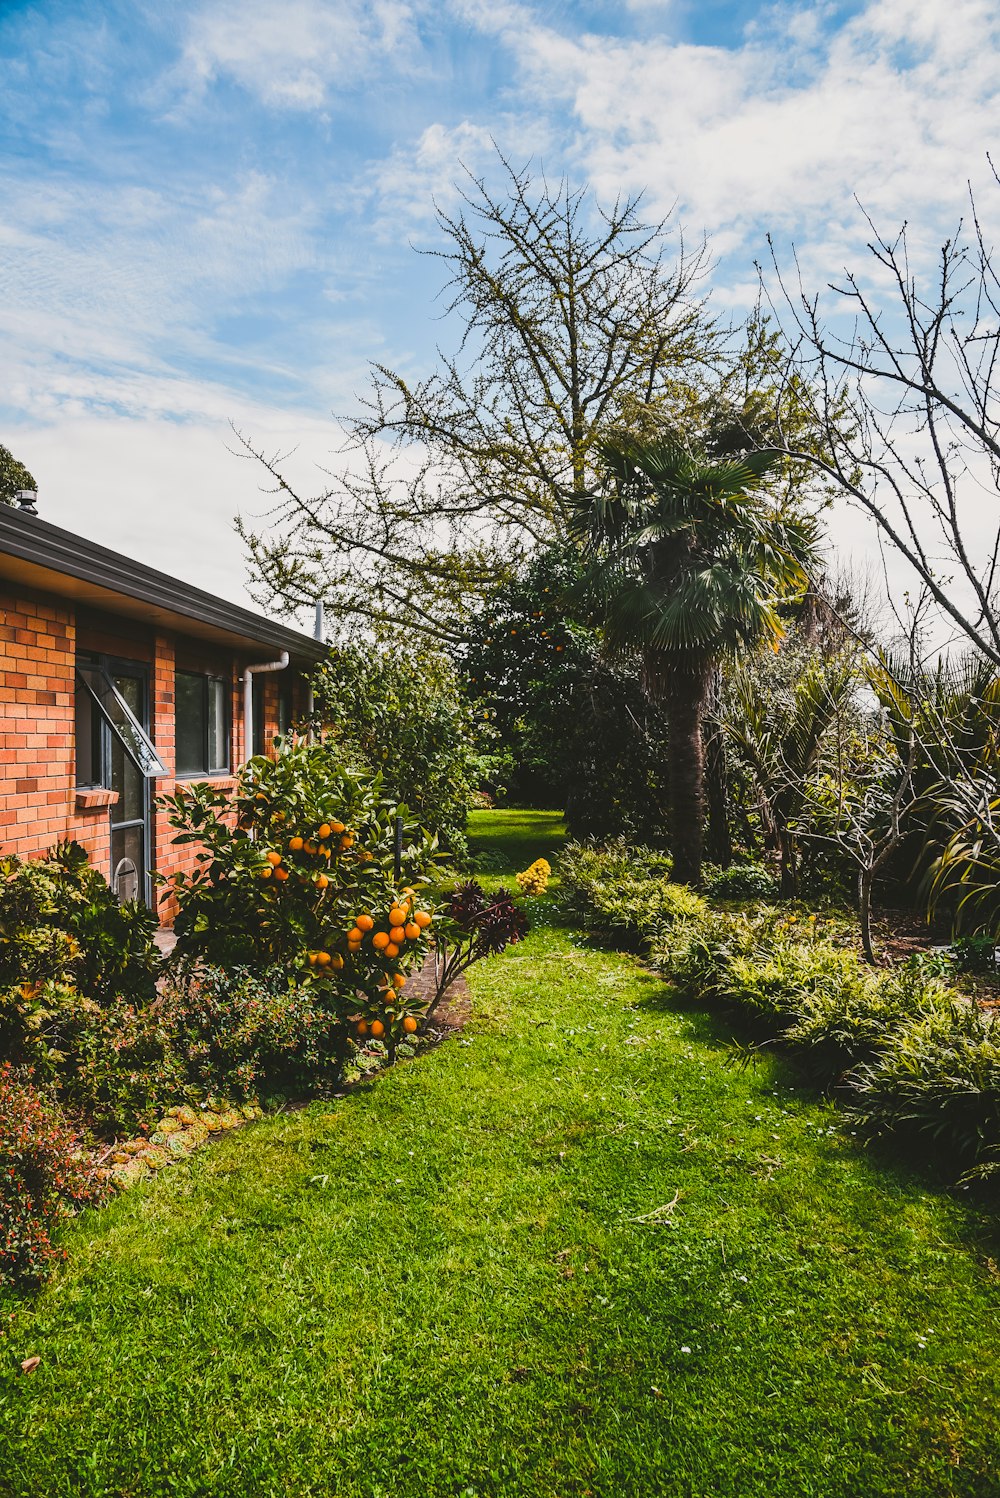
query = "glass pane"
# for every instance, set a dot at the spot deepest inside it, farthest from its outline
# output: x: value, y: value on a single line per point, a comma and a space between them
x: 121, y: 717
x: 218, y: 725
x: 284, y: 707
x: 189, y: 698
x: 88, y: 739
x: 127, y: 844
x: 129, y: 782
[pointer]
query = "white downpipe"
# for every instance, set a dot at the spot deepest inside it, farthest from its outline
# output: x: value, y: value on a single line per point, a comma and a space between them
x: 248, y: 676
x: 318, y: 631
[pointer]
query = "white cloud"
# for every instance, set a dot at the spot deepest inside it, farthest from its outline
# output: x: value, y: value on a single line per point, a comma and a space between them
x: 166, y: 492
x: 291, y: 55
x: 414, y: 180
x: 781, y: 131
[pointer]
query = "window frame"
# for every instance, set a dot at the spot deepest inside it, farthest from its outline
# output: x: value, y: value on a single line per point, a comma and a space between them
x: 207, y: 679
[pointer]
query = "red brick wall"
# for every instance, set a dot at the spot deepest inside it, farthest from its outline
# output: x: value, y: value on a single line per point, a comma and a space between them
x: 39, y: 802
x: 37, y: 752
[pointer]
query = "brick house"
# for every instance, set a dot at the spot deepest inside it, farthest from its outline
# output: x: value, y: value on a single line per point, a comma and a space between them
x: 118, y: 684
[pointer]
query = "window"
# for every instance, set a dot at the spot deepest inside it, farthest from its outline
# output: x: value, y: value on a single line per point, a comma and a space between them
x: 285, y: 700
x: 202, y: 724
x: 105, y: 700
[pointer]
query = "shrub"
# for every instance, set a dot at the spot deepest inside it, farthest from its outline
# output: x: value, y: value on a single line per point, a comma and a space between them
x: 741, y: 881
x: 472, y: 925
x: 975, y: 954
x: 305, y: 880
x: 42, y: 1179
x: 534, y: 880
x: 614, y: 885
x: 246, y: 1033
x: 793, y: 981
x: 401, y: 714
x: 60, y: 921
x: 938, y: 1079
x: 577, y: 728
x: 834, y: 1031
x: 121, y: 1067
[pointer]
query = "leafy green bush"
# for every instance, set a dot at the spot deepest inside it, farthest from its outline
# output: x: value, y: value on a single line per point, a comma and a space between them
x: 401, y: 713
x: 939, y: 1080
x: 42, y: 1179
x: 60, y: 920
x: 622, y: 889
x: 311, y: 851
x: 120, y: 1067
x: 239, y: 1034
x: 575, y: 727
x: 246, y: 1033
x: 975, y: 954
x: 741, y: 881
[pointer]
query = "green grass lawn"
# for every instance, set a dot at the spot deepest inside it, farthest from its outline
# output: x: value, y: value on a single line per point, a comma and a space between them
x: 462, y: 1281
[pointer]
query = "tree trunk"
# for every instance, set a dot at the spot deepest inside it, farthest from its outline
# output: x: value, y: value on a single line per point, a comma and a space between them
x: 684, y: 691
x: 720, y: 847
x: 789, y: 884
x: 866, y: 878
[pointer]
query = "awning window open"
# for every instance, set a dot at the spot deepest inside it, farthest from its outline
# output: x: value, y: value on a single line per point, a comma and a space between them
x: 121, y: 720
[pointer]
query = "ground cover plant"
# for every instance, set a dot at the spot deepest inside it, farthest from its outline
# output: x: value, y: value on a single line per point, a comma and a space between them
x: 570, y: 1252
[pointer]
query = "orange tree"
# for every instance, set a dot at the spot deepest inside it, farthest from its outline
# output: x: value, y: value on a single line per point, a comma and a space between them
x: 298, y: 871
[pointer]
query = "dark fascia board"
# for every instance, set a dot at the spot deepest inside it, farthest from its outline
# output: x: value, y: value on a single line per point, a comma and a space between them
x: 41, y: 545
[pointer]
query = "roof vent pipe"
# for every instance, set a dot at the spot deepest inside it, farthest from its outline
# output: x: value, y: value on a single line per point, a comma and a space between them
x: 27, y: 500
x: 248, y: 676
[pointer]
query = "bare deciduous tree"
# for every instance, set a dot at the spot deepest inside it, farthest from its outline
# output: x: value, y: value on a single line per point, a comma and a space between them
x: 917, y: 364
x: 572, y: 318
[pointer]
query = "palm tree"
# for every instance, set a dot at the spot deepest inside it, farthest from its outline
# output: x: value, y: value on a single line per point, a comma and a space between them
x: 690, y: 562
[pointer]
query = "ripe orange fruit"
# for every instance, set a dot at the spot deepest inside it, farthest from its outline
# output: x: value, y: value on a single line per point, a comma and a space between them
x: 336, y: 962
x: 266, y: 871
x: 399, y: 980
x: 324, y: 850
x: 347, y: 841
x: 378, y: 1029
x: 337, y: 827
x: 323, y: 959
x: 380, y: 940
x: 396, y: 933
x: 354, y: 947
x: 423, y: 919
x: 321, y: 881
x: 324, y: 831
x: 311, y: 958
x: 273, y: 858
x: 362, y: 1028
x: 409, y: 1024
x: 354, y: 934
x: 396, y: 916
x: 309, y: 847
x: 411, y: 931
x: 280, y: 873
x: 296, y: 844
x: 392, y: 950
x: 364, y: 923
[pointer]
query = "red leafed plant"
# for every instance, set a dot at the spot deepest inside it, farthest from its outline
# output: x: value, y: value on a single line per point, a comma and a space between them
x: 471, y: 925
x: 42, y: 1179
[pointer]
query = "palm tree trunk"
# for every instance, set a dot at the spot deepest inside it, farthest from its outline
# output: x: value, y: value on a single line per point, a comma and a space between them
x: 720, y: 847
x: 685, y: 688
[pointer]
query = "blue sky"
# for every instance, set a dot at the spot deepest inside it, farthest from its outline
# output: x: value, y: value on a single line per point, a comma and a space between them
x: 208, y: 208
